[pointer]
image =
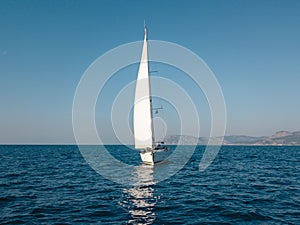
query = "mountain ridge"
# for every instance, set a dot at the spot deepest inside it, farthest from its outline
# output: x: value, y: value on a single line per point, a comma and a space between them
x: 280, y: 138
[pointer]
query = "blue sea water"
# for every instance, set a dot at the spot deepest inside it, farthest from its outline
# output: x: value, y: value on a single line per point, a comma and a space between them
x: 244, y: 185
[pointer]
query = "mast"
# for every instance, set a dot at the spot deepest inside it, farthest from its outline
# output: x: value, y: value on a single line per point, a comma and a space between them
x: 151, y: 108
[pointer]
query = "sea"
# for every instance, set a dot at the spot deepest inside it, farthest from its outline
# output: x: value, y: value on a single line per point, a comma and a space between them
x: 55, y: 184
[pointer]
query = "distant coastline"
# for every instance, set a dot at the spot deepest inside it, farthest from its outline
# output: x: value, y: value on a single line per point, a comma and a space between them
x: 280, y: 138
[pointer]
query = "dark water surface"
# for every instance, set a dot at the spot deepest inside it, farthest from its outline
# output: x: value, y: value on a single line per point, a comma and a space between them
x: 244, y: 185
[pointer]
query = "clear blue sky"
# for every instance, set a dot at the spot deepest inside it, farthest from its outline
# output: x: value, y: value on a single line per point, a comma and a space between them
x: 252, y: 47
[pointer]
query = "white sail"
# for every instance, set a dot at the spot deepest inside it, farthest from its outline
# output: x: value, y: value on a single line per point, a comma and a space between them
x: 142, y: 115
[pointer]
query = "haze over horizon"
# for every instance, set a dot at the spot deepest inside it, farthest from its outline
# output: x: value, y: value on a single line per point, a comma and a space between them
x: 252, y: 47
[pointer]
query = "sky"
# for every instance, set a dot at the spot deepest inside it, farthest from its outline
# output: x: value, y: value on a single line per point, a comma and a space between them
x: 252, y: 47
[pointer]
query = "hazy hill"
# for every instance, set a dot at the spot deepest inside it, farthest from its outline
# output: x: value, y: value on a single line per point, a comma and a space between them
x: 279, y: 138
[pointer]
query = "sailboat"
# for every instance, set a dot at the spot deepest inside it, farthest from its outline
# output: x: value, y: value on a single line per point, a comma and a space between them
x: 150, y: 151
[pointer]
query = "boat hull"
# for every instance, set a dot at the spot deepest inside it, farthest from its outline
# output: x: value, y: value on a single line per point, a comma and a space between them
x: 153, y: 156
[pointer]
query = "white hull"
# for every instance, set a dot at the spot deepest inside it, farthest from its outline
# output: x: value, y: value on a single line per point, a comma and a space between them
x: 153, y: 156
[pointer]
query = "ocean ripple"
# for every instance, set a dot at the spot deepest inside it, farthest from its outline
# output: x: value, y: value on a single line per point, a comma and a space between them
x: 244, y: 185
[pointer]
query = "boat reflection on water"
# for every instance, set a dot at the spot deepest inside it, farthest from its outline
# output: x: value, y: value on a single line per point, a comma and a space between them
x: 140, y: 200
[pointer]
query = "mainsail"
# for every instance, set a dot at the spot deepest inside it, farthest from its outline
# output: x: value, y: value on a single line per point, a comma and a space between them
x: 142, y: 115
